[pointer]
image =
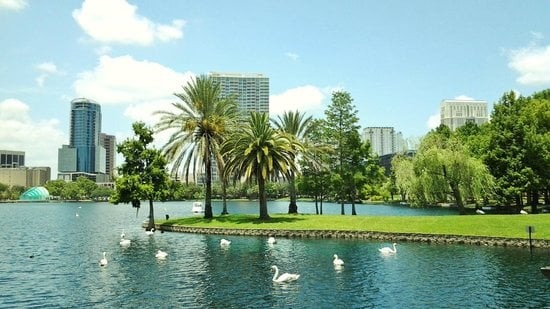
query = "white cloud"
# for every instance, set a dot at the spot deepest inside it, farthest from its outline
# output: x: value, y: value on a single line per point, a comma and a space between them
x: 292, y: 56
x: 304, y: 98
x: 15, y: 5
x: 46, y: 69
x: 532, y: 63
x: 124, y: 80
x: 117, y: 21
x: 433, y: 121
x: 39, y: 139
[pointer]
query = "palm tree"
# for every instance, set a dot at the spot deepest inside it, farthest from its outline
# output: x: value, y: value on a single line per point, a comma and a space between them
x: 299, y: 126
x: 257, y: 151
x: 198, y: 127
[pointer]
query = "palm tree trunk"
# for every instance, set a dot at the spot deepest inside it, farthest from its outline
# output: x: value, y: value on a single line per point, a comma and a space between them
x: 263, y: 198
x: 208, y: 194
x: 224, y: 197
x: 151, y: 223
x: 292, y: 207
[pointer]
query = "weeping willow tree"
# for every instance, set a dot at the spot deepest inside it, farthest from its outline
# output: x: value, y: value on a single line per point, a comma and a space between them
x: 443, y: 167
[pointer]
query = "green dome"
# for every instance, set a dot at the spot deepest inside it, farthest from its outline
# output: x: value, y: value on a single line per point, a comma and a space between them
x: 35, y: 194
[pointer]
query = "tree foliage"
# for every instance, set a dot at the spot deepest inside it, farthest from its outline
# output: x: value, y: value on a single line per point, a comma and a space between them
x: 256, y: 151
x: 198, y: 128
x: 143, y: 174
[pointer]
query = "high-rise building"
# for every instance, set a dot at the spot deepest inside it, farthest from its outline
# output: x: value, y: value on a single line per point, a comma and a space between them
x: 456, y: 113
x: 85, y: 155
x: 384, y: 140
x: 251, y: 90
x: 109, y: 143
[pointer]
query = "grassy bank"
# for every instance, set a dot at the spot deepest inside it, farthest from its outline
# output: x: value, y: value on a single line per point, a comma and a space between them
x: 508, y: 226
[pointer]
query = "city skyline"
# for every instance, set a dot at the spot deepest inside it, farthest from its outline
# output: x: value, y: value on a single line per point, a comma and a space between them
x: 397, y: 60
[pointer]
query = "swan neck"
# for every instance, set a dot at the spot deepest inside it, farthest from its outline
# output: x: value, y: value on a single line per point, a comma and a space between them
x: 276, y: 273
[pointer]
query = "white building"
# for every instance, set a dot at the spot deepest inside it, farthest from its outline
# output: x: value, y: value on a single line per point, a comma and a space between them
x: 456, y: 113
x: 384, y: 140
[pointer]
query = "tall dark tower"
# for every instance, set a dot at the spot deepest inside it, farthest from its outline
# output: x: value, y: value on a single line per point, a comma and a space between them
x: 84, y: 134
x: 85, y: 154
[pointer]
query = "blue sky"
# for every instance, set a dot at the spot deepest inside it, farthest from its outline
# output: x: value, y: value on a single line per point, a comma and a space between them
x: 397, y: 59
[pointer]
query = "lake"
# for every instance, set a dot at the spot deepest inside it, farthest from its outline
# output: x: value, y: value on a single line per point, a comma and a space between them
x: 51, y: 251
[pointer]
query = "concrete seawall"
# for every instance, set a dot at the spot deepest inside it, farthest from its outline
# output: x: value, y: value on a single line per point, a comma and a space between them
x: 401, y: 237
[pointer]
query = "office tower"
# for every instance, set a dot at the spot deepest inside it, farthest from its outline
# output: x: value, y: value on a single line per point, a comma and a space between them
x: 252, y: 90
x: 456, y: 113
x: 384, y: 140
x: 84, y: 156
x: 109, y: 143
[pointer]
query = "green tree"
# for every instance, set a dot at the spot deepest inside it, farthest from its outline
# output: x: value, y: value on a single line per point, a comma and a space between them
x: 143, y: 174
x: 506, y: 154
x: 257, y: 151
x: 55, y: 187
x: 86, y: 186
x: 341, y: 130
x: 444, y: 166
x: 198, y: 128
x: 299, y: 126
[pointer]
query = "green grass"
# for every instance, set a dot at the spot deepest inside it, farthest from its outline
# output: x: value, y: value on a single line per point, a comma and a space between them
x: 509, y: 226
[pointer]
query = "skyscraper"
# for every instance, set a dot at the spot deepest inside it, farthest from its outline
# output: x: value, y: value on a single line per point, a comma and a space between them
x: 84, y: 156
x: 252, y: 90
x: 456, y: 113
x: 384, y: 140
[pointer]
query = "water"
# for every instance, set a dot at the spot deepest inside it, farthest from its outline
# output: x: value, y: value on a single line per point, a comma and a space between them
x: 49, y: 258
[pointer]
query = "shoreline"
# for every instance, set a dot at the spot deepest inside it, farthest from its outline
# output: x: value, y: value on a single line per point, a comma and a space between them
x: 366, y: 235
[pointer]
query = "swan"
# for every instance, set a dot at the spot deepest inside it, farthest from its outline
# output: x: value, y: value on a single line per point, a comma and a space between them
x: 523, y: 212
x: 103, y: 261
x: 388, y: 250
x: 271, y: 240
x: 337, y: 261
x: 123, y: 241
x: 161, y: 254
x: 480, y: 212
x: 151, y: 232
x: 286, y: 277
x: 224, y: 242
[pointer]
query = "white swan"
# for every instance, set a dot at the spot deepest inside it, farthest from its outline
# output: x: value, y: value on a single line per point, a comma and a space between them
x: 123, y: 241
x: 523, y: 212
x: 103, y: 261
x: 271, y: 240
x: 224, y: 242
x: 388, y: 250
x: 337, y: 261
x: 151, y: 232
x: 480, y: 212
x: 286, y: 277
x: 161, y: 254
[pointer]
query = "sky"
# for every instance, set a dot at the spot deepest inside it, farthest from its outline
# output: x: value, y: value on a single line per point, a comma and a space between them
x: 397, y: 59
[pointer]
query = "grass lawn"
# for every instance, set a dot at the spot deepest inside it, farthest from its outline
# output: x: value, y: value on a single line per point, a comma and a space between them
x: 509, y: 226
